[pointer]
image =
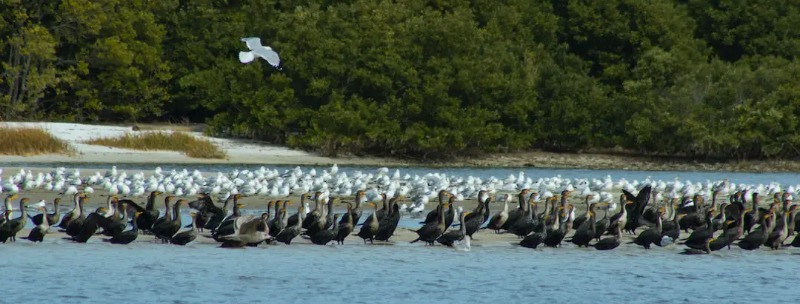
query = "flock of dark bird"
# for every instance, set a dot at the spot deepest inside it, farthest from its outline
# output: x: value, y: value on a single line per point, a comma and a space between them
x: 713, y: 226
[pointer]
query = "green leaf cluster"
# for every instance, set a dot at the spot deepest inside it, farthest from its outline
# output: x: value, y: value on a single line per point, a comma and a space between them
x: 421, y: 78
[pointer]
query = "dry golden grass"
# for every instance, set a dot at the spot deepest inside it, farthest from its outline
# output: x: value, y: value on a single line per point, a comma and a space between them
x: 30, y: 141
x: 173, y: 141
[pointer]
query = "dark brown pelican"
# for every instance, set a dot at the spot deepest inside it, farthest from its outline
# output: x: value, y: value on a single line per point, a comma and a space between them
x: 248, y: 230
x: 610, y: 242
x: 347, y: 227
x: 640, y: 202
x: 7, y: 211
x: 779, y: 234
x: 277, y: 224
x: 433, y: 216
x: 37, y: 233
x: 76, y: 224
x: 621, y: 218
x: 10, y: 229
x: 499, y: 219
x: 388, y: 225
x: 432, y: 231
x: 535, y: 239
x: 186, y: 237
x: 289, y: 233
x: 356, y: 211
x: 293, y: 219
x: 585, y: 233
x: 556, y: 233
x: 126, y: 237
x: 88, y: 226
x: 705, y: 250
x: 698, y: 237
x: 326, y: 236
x: 453, y: 236
x: 217, y: 216
x: 475, y: 220
x: 149, y: 213
x: 518, y: 213
x: 52, y: 218
x: 585, y: 216
x: 167, y: 212
x: 322, y: 220
x: 370, y: 227
x: 652, y: 235
x: 313, y: 216
x: 167, y: 228
x: 756, y: 238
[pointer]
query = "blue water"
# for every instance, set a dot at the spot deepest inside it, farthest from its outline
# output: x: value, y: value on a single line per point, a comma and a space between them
x: 64, y: 272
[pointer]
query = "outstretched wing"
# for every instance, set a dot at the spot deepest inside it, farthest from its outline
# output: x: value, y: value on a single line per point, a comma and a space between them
x: 246, y: 57
x: 643, y: 198
x: 250, y: 225
x: 268, y: 54
x: 252, y: 42
x: 240, y: 223
x: 132, y: 205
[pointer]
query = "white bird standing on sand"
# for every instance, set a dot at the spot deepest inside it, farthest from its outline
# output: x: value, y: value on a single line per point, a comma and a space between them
x: 256, y: 49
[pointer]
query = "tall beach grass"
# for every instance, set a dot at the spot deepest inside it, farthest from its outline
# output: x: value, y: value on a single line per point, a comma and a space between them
x: 30, y: 141
x: 173, y: 141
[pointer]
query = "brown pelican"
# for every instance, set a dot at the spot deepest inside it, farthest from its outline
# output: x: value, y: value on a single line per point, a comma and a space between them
x: 452, y: 236
x: 38, y: 232
x: 289, y: 233
x: 326, y: 236
x: 248, y: 229
x: 432, y: 231
x: 499, y: 219
x: 126, y: 237
x: 185, y: 237
x: 13, y: 226
x: 370, y: 226
x: 77, y: 211
x: 347, y: 227
x: 52, y: 218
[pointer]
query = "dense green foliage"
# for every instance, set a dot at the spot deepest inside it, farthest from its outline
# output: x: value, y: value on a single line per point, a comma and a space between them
x: 422, y: 78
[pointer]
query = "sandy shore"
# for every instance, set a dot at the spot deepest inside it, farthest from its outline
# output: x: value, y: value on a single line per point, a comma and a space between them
x: 238, y: 151
x: 254, y: 152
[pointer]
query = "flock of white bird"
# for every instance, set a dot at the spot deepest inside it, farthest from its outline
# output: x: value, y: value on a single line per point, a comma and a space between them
x: 266, y: 182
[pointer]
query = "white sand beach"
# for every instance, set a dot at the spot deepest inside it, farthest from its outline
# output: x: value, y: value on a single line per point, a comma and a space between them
x: 238, y: 151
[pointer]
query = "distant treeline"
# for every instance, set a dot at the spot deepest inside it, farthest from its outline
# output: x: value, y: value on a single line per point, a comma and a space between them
x: 421, y: 79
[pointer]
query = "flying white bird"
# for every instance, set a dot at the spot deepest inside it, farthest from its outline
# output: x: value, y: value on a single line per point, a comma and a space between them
x: 256, y: 49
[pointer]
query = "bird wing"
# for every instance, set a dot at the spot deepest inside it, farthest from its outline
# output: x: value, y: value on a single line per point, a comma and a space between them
x: 269, y: 55
x: 642, y: 199
x: 198, y: 205
x: 240, y: 222
x: 250, y: 226
x: 246, y: 57
x: 252, y: 42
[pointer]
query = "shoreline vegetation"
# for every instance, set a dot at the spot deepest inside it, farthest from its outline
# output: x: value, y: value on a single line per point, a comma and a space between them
x: 189, y: 145
x: 424, y: 79
x: 249, y: 152
x: 31, y: 141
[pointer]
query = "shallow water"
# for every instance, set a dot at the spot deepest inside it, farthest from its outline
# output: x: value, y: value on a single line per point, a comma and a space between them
x: 62, y: 271
x: 405, y: 273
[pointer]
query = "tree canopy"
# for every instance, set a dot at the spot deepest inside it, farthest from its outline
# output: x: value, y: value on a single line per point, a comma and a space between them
x: 421, y: 78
